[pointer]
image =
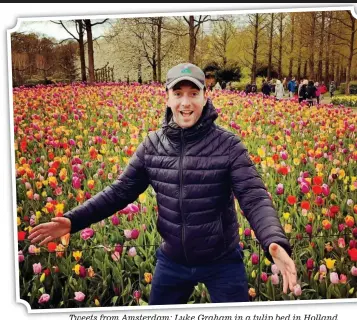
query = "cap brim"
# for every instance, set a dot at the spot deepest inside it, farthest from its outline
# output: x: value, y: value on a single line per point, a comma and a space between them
x: 194, y: 80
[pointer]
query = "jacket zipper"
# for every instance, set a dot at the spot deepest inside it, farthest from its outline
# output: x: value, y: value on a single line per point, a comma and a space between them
x: 181, y: 184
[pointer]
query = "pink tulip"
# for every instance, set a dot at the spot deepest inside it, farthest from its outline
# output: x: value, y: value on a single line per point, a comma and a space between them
x: 76, y: 183
x: 132, y: 252
x: 21, y: 256
x: 115, y: 220
x: 127, y: 233
x: 275, y: 279
x: 334, y: 277
x: 37, y: 268
x: 304, y: 188
x: 255, y: 258
x: 310, y: 264
x: 79, y: 296
x: 274, y: 269
x: 119, y: 248
x: 137, y: 295
x: 44, y: 298
x: 354, y: 271
x: 134, y: 234
x: 116, y: 256
x: 264, y: 277
x: 87, y: 233
x: 343, y: 278
x: 341, y: 227
x: 82, y: 272
x: 280, y: 189
x: 133, y: 208
x: 297, y: 290
x: 341, y: 243
x: 323, y: 268
x: 247, y: 232
x: 325, y: 189
x: 308, y: 229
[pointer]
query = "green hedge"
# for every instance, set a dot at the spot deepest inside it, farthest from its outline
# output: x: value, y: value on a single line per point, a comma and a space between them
x: 353, y: 87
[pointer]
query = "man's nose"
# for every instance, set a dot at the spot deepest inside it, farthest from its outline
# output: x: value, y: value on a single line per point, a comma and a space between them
x: 185, y: 101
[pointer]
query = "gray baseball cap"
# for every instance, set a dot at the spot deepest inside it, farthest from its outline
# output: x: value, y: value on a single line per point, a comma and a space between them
x: 185, y: 71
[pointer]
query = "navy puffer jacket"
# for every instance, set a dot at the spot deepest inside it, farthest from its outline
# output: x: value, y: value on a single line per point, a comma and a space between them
x: 195, y: 172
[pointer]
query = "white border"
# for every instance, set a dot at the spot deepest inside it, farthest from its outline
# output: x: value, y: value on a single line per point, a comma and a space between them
x: 353, y: 10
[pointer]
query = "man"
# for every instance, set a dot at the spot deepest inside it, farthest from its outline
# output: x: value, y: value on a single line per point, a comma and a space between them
x: 196, y: 168
x: 292, y: 87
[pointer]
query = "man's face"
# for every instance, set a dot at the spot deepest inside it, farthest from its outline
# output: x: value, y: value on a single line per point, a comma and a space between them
x: 186, y: 102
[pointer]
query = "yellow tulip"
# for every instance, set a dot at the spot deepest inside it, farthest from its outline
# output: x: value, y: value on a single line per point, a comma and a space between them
x: 330, y: 263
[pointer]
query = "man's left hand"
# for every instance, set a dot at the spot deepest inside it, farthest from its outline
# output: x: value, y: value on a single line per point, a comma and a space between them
x: 285, y: 264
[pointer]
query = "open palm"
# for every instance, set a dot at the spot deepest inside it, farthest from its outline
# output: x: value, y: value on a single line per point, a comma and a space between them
x: 49, y: 231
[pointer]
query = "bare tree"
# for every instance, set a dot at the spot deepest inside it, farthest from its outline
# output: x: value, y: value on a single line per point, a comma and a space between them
x: 270, y: 54
x: 223, y: 32
x: 257, y: 23
x: 80, y: 39
x: 346, y: 38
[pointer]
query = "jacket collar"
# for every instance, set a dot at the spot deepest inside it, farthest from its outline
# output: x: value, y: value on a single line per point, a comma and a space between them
x: 197, y: 131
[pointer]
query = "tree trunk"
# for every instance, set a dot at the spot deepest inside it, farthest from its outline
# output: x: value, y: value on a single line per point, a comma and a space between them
x: 350, y: 58
x: 319, y: 66
x: 270, y: 47
x: 311, y: 47
x: 291, y: 46
x: 81, y: 50
x: 191, y: 30
x: 90, y: 50
x: 305, y: 70
x: 255, y: 49
x: 159, y: 28
x: 281, y: 17
x: 328, y: 47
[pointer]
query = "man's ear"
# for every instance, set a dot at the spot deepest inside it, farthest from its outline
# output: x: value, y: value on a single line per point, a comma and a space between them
x: 206, y: 95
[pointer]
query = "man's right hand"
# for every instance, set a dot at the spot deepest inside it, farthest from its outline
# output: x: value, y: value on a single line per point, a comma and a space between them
x: 49, y: 231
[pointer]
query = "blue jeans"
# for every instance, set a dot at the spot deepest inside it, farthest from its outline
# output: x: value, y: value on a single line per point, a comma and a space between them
x: 225, y: 280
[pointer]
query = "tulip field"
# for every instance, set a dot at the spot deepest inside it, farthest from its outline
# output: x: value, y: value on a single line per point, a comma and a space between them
x: 71, y: 141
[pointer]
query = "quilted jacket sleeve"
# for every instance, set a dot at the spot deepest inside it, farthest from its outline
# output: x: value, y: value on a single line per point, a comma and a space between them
x: 254, y: 199
x: 126, y: 189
